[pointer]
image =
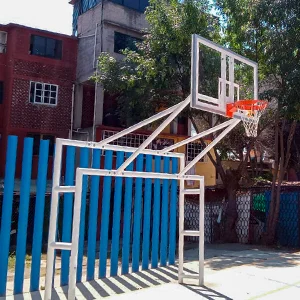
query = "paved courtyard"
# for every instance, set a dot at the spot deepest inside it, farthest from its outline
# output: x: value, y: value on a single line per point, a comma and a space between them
x: 231, y: 272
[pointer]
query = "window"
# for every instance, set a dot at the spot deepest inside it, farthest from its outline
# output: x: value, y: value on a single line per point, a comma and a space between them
x: 3, y: 41
x: 193, y: 149
x: 37, y: 137
x: 132, y: 4
x: 139, y: 5
x: 46, y: 47
x: 1, y: 92
x: 43, y: 93
x: 124, y: 41
x: 130, y: 140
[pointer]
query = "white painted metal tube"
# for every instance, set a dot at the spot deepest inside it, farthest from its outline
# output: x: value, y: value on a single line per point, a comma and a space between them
x: 75, y: 236
x: 256, y: 82
x: 53, y: 220
x: 65, y: 189
x: 210, y: 146
x: 191, y: 233
x: 154, y: 134
x: 222, y: 49
x: 231, y: 78
x: 194, y: 69
x: 223, y: 82
x: 61, y: 246
x: 86, y: 144
x: 139, y: 125
x: 181, y: 225
x: 191, y: 192
x: 196, y: 137
x: 134, y: 174
x: 201, y: 229
x: 208, y: 99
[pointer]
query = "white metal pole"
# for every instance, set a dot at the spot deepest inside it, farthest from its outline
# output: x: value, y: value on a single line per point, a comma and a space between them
x: 210, y: 146
x: 75, y: 235
x: 256, y: 82
x: 92, y: 145
x: 231, y: 79
x: 181, y: 224
x: 139, y: 125
x: 223, y: 82
x: 135, y: 174
x: 195, y: 70
x: 201, y: 230
x: 53, y: 219
x: 196, y: 137
x: 155, y: 133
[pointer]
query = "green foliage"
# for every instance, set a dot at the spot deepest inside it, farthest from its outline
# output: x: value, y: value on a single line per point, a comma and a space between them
x: 158, y: 73
x: 269, y: 32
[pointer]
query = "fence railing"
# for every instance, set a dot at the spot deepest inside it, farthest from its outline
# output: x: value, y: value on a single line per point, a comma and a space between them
x: 252, y: 208
x: 25, y: 218
x: 126, y: 220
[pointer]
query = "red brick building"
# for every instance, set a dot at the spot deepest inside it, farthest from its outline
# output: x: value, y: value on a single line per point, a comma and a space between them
x: 37, y: 74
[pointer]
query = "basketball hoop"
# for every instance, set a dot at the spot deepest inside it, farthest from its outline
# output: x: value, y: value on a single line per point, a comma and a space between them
x: 249, y: 111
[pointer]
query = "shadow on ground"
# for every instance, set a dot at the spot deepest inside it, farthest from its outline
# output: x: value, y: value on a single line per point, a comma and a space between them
x: 207, y: 293
x: 118, y: 285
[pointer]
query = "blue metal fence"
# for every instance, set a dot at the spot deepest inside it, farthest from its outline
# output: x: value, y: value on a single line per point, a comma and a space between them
x: 135, y: 218
x: 289, y: 217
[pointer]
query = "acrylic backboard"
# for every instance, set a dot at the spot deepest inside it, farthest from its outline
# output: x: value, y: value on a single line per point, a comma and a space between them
x: 220, y: 76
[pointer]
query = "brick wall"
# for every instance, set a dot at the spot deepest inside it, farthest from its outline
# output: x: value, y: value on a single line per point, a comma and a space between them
x: 44, y: 71
x: 40, y: 117
x: 21, y: 117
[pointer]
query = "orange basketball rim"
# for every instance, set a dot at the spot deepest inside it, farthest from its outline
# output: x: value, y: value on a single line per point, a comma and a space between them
x: 250, y: 106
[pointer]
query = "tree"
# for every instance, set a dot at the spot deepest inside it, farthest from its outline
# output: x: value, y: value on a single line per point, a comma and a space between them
x: 158, y: 74
x: 270, y: 31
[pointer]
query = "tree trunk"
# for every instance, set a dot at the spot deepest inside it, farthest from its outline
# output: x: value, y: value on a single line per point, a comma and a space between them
x: 281, y: 162
x: 232, y: 185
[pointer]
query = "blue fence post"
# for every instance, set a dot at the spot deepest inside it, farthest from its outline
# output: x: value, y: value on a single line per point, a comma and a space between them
x: 173, y: 213
x: 91, y: 255
x: 67, y: 214
x: 147, y: 215
x: 115, y: 244
x: 156, y: 215
x: 127, y: 220
x: 164, y: 215
x: 137, y: 216
x: 11, y: 155
x: 84, y: 163
x: 105, y: 215
x: 39, y: 215
x: 23, y: 215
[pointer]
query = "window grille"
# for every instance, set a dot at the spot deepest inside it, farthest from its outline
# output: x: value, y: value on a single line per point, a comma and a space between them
x: 43, y: 93
x: 193, y: 149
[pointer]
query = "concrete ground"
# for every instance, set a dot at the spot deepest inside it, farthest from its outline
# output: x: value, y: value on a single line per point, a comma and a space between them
x: 231, y: 272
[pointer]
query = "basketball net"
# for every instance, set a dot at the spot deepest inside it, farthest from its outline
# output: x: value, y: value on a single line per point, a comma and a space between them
x: 250, y: 112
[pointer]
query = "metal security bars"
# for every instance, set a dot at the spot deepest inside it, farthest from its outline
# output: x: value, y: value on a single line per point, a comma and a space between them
x: 130, y: 140
x: 193, y: 150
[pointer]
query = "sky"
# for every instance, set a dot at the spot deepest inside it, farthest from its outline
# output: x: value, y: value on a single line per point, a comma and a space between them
x: 52, y: 15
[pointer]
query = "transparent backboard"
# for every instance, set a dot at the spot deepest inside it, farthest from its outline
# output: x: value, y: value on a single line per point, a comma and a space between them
x: 220, y: 76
